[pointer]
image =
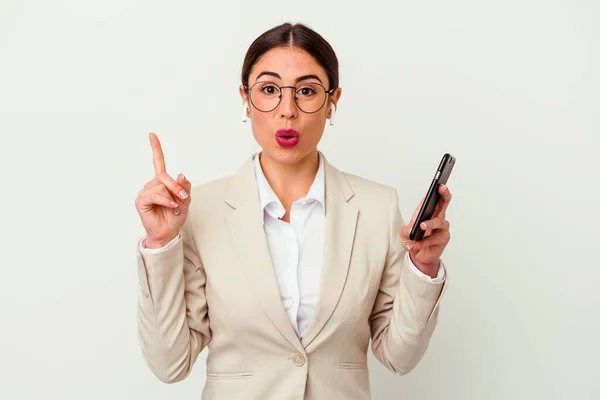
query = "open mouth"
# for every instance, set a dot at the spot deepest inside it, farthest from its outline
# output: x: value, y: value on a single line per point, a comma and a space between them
x: 287, y: 133
x: 287, y: 137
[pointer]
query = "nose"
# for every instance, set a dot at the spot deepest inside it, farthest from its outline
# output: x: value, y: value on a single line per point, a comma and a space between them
x: 287, y: 107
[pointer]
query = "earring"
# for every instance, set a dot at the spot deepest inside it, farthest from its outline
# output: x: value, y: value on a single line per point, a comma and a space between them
x: 245, y: 112
x: 332, y: 117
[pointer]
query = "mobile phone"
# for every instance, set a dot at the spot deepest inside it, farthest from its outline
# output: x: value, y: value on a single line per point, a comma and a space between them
x: 431, y: 199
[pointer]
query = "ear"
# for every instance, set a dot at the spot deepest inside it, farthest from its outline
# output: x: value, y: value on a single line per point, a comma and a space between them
x: 243, y: 94
x: 245, y: 106
x: 335, y: 97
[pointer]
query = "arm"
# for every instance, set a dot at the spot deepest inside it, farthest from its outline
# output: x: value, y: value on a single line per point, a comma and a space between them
x: 173, y: 325
x: 405, y: 312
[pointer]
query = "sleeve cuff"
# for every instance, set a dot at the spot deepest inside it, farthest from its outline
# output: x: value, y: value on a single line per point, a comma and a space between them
x: 144, y: 250
x: 438, y: 279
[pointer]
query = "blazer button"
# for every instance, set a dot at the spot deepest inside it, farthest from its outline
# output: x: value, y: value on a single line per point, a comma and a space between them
x: 298, y: 360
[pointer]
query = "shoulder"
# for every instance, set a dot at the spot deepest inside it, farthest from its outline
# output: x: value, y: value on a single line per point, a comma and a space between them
x: 369, y: 191
x: 209, y: 195
x: 213, y: 196
x: 211, y: 188
x: 207, y: 208
x: 377, y: 203
x: 217, y: 188
x: 363, y: 185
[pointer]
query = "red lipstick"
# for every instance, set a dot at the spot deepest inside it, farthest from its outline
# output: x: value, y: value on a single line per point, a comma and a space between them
x: 287, y: 137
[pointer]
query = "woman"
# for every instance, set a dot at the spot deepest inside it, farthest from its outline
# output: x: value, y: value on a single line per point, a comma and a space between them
x: 287, y: 269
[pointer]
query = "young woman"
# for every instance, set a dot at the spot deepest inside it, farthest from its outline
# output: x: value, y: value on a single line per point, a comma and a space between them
x: 288, y: 268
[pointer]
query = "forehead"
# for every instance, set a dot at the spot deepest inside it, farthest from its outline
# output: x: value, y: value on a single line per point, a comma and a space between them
x: 289, y: 63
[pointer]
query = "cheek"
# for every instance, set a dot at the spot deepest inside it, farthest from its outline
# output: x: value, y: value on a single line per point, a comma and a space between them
x: 315, y: 125
x: 315, y: 130
x: 262, y: 127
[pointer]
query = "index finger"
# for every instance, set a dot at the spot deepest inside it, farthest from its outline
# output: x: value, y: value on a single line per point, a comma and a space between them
x: 158, y: 158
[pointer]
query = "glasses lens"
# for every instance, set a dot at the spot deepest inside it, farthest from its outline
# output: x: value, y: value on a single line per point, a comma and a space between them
x: 265, y: 96
x: 310, y: 97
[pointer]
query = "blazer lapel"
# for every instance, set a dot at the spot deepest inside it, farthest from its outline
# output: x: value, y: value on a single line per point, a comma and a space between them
x: 249, y: 237
x: 340, y: 227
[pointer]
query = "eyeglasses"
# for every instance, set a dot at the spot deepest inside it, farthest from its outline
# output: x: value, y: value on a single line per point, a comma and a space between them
x: 309, y: 97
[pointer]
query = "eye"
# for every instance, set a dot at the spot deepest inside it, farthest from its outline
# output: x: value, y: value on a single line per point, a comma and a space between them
x: 269, y: 89
x: 306, y: 91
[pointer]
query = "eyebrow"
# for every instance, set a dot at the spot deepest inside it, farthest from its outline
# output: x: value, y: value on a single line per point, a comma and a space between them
x: 298, y: 79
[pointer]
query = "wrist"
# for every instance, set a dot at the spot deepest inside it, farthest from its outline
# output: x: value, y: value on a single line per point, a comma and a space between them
x: 151, y: 243
x: 429, y: 269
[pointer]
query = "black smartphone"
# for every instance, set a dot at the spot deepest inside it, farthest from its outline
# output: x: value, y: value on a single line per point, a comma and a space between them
x: 431, y: 199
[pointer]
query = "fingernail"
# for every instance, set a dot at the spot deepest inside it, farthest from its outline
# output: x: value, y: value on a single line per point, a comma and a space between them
x: 423, y: 225
x: 183, y: 194
x: 174, y: 204
x: 176, y: 211
x: 184, y: 178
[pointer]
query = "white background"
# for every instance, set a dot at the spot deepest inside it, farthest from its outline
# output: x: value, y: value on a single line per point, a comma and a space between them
x: 510, y: 88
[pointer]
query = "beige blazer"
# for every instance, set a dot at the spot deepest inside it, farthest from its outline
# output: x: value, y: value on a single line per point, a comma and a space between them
x: 216, y: 288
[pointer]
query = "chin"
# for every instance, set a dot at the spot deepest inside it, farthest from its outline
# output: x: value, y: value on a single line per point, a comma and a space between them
x: 287, y: 156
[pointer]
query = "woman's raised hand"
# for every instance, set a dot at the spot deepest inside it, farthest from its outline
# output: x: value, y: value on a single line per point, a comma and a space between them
x: 163, y: 202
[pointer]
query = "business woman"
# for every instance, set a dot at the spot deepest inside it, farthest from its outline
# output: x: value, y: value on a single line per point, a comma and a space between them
x: 288, y: 268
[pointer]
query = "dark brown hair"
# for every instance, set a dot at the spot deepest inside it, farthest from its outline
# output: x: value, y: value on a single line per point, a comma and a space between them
x: 297, y: 35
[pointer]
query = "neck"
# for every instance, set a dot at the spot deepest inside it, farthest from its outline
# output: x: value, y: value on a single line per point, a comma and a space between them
x: 290, y: 182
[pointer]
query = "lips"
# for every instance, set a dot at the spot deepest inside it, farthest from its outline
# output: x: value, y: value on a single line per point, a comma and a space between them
x: 287, y: 137
x: 287, y: 133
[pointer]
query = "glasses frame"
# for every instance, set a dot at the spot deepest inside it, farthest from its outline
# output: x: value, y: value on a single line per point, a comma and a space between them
x: 249, y: 92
